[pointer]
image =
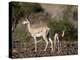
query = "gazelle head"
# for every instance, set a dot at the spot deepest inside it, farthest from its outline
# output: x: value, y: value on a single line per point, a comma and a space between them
x: 25, y: 21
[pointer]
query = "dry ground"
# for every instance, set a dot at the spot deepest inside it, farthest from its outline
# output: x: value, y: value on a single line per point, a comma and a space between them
x: 18, y: 51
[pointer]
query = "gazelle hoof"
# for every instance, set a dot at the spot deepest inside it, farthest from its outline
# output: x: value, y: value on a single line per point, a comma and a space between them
x: 35, y: 50
x: 44, y: 49
x: 52, y: 51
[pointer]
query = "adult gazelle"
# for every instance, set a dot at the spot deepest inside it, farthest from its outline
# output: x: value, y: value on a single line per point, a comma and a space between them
x: 38, y: 32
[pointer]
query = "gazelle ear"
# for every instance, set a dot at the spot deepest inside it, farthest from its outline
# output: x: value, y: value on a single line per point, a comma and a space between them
x: 26, y: 19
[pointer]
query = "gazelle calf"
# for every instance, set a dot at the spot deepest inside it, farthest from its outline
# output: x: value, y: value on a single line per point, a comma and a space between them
x: 58, y: 37
x: 38, y: 32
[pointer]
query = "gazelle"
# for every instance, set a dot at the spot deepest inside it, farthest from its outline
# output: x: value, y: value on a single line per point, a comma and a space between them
x: 39, y: 32
x: 58, y: 37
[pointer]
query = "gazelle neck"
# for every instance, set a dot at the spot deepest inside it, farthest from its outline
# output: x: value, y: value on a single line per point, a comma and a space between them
x: 29, y: 28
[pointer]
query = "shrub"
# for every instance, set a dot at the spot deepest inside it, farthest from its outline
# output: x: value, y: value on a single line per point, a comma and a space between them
x: 58, y: 25
x: 20, y: 35
x: 20, y: 9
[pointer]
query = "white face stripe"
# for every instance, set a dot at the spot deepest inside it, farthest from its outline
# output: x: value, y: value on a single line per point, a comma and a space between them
x: 24, y: 22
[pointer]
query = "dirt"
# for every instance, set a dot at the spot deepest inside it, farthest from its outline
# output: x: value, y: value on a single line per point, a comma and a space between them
x: 27, y: 50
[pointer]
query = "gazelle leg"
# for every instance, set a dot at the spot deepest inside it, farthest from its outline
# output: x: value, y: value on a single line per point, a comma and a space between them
x: 46, y: 43
x: 35, y: 44
x: 39, y: 41
x: 58, y: 42
x: 58, y: 45
x: 54, y: 45
x: 59, y: 50
x: 51, y: 43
